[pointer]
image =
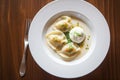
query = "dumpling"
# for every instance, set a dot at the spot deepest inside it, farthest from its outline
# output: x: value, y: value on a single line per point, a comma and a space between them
x: 63, y: 25
x: 56, y: 40
x: 69, y: 51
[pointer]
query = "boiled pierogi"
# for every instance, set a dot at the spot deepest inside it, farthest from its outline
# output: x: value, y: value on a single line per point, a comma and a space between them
x: 56, y: 39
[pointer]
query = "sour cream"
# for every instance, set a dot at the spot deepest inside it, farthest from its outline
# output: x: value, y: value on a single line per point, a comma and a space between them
x: 77, y: 35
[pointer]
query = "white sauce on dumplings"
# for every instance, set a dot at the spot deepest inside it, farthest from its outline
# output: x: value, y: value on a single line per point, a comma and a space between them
x: 80, y: 44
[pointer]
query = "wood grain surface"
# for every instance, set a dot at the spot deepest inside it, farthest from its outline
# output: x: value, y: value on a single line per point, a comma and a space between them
x: 13, y: 14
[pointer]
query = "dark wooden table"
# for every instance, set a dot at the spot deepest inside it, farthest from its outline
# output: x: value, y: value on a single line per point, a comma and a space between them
x: 13, y: 14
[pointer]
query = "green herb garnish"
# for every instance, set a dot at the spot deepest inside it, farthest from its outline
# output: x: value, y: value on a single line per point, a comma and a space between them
x: 70, y: 45
x: 63, y: 25
x: 88, y: 37
x: 77, y: 34
x: 86, y: 48
x: 87, y: 45
x: 68, y: 37
x: 78, y: 24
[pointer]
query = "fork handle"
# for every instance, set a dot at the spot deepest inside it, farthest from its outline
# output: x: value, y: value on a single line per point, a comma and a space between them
x: 22, y: 70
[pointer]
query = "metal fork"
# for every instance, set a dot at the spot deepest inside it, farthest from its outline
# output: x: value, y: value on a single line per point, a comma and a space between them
x: 22, y: 70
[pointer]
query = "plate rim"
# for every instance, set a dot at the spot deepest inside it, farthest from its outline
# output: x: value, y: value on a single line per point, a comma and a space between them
x: 51, y: 3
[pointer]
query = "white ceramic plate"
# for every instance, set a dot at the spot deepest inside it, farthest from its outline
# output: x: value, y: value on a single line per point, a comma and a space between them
x: 43, y: 55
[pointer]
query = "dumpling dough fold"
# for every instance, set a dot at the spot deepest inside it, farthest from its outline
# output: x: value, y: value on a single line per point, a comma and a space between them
x: 69, y: 51
x: 63, y: 24
x: 56, y: 39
